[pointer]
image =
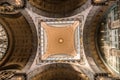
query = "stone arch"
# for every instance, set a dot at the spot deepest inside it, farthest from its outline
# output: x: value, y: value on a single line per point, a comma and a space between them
x: 43, y: 9
x: 93, y: 19
x: 22, y: 41
x: 60, y: 71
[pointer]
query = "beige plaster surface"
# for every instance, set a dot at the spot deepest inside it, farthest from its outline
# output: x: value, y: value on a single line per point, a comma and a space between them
x: 60, y: 40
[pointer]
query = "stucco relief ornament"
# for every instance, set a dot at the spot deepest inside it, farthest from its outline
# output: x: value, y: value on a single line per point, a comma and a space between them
x: 6, y: 75
x: 11, y: 6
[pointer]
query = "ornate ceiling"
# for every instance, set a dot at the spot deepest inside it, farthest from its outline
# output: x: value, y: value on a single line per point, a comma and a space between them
x: 23, y: 35
x: 21, y: 43
x: 60, y: 39
x: 90, y: 36
x: 11, y: 6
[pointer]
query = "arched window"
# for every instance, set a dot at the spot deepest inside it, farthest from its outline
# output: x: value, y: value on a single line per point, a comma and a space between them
x: 109, y: 39
x: 3, y: 42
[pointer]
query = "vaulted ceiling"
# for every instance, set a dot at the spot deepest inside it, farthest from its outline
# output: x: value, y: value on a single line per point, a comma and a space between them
x: 57, y: 6
x: 23, y: 37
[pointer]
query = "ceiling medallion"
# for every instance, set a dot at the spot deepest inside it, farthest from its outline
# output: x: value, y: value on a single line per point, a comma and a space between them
x: 60, y: 40
x: 12, y: 6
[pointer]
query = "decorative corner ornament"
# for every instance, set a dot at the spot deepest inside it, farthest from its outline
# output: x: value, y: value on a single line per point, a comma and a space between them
x: 6, y: 74
x: 12, y: 7
x: 99, y: 2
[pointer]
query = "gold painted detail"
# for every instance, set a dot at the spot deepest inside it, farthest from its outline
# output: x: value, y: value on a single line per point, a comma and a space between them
x: 11, y: 7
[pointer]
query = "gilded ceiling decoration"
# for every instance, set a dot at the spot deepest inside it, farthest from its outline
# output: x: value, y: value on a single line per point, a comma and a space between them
x: 11, y: 6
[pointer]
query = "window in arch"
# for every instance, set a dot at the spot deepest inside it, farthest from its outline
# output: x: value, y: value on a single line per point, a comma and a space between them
x: 109, y: 39
x: 3, y: 42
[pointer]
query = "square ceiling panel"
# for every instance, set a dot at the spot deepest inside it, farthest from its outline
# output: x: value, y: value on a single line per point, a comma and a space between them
x: 60, y: 40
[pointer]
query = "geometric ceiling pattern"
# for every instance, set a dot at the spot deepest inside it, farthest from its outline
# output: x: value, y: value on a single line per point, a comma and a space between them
x: 60, y: 40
